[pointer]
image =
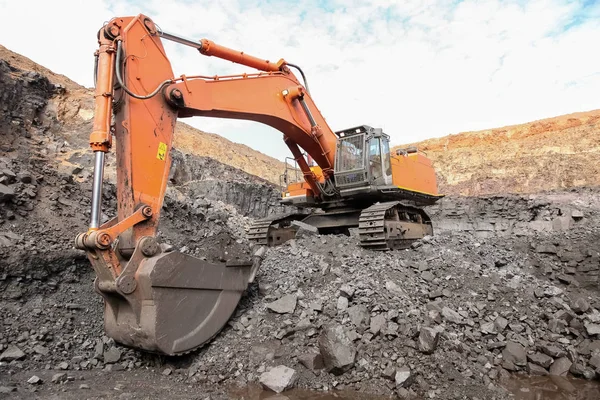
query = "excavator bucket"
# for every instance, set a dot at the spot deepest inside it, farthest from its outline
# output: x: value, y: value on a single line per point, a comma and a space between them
x: 173, y: 303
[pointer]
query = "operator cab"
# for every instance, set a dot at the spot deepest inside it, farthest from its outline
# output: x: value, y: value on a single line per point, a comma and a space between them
x: 362, y: 158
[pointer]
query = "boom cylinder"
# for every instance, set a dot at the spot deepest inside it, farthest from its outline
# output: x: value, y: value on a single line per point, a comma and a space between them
x: 100, y: 138
x: 210, y: 48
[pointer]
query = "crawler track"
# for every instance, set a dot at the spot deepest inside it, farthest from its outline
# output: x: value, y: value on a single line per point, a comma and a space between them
x: 392, y: 225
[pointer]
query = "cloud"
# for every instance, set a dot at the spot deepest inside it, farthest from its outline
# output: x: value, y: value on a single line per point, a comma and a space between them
x: 417, y: 69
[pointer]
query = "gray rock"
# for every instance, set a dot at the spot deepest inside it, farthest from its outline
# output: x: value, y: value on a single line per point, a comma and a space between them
x: 63, y: 365
x: 7, y: 389
x: 112, y: 355
x: 403, y: 377
x: 279, y: 378
x: 394, y: 289
x: 537, y: 370
x: 595, y: 361
x: 337, y: 350
x: 12, y: 353
x: 553, y: 351
x: 35, y: 380
x: 500, y: 323
x: 347, y: 291
x: 552, y: 291
x: 59, y: 378
x: 389, y: 373
x: 377, y: 323
x: 84, y: 386
x: 576, y: 214
x: 359, y: 315
x: 304, y: 230
x: 39, y: 349
x: 428, y: 340
x: 580, y: 305
x: 312, y: 361
x: 342, y: 303
x: 6, y: 193
x: 451, y: 315
x: 560, y: 366
x: 427, y: 276
x: 515, y: 353
x: 285, y: 305
x: 579, y: 370
x: 540, y: 359
x: 592, y: 329
x: 557, y: 325
x: 488, y: 328
x: 98, y: 349
x: 25, y: 177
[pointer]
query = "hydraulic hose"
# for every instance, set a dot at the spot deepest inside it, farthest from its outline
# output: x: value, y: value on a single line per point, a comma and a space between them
x: 301, y: 73
x: 129, y: 92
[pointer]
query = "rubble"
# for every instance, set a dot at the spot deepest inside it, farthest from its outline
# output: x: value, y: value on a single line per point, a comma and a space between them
x: 336, y: 349
x: 428, y: 340
x: 12, y: 353
x: 285, y: 305
x: 279, y: 378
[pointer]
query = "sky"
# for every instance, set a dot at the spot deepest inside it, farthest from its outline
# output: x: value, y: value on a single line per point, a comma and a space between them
x: 416, y: 69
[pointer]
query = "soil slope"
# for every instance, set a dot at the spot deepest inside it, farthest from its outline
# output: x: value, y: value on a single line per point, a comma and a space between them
x: 555, y: 153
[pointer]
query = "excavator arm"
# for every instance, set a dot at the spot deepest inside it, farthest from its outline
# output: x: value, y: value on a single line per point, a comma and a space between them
x: 169, y: 302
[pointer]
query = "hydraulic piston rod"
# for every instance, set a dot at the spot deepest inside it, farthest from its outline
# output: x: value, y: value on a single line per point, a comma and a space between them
x: 97, y: 190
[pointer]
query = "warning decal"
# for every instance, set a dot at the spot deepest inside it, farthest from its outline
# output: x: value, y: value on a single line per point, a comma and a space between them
x: 162, y: 151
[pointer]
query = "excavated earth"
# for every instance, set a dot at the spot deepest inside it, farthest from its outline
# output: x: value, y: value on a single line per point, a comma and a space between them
x: 502, y: 302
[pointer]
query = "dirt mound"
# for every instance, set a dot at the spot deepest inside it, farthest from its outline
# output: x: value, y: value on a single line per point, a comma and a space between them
x: 554, y: 153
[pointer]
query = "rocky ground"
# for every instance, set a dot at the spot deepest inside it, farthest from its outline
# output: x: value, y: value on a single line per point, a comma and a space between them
x: 507, y: 287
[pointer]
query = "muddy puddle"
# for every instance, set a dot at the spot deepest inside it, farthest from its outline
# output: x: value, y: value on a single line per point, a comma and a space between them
x: 553, y: 388
x: 522, y: 388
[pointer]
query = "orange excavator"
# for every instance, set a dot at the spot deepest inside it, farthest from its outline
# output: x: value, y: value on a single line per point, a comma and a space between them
x: 170, y: 302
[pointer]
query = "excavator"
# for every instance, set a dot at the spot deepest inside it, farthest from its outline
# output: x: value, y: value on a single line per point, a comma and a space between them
x: 168, y: 302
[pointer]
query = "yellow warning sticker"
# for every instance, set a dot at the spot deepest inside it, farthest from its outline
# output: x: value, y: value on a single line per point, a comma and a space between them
x: 162, y: 151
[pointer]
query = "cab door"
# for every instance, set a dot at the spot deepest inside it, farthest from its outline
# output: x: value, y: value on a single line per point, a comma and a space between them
x: 380, y: 167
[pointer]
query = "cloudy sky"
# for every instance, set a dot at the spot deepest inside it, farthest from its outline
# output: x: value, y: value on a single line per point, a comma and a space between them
x: 417, y: 69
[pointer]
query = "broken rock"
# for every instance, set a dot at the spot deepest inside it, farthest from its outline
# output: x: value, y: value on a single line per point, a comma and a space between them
x: 112, y: 355
x: 279, y: 378
x: 403, y: 377
x: 6, y: 193
x: 540, y: 359
x: 515, y: 353
x: 451, y: 315
x: 312, y: 361
x: 377, y: 323
x: 428, y: 340
x: 560, y: 367
x: 580, y: 305
x: 34, y: 380
x: 535, y: 369
x: 336, y: 349
x: 359, y: 315
x: 285, y: 305
x: 12, y: 353
x: 394, y: 289
x: 592, y: 329
x: 59, y: 378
